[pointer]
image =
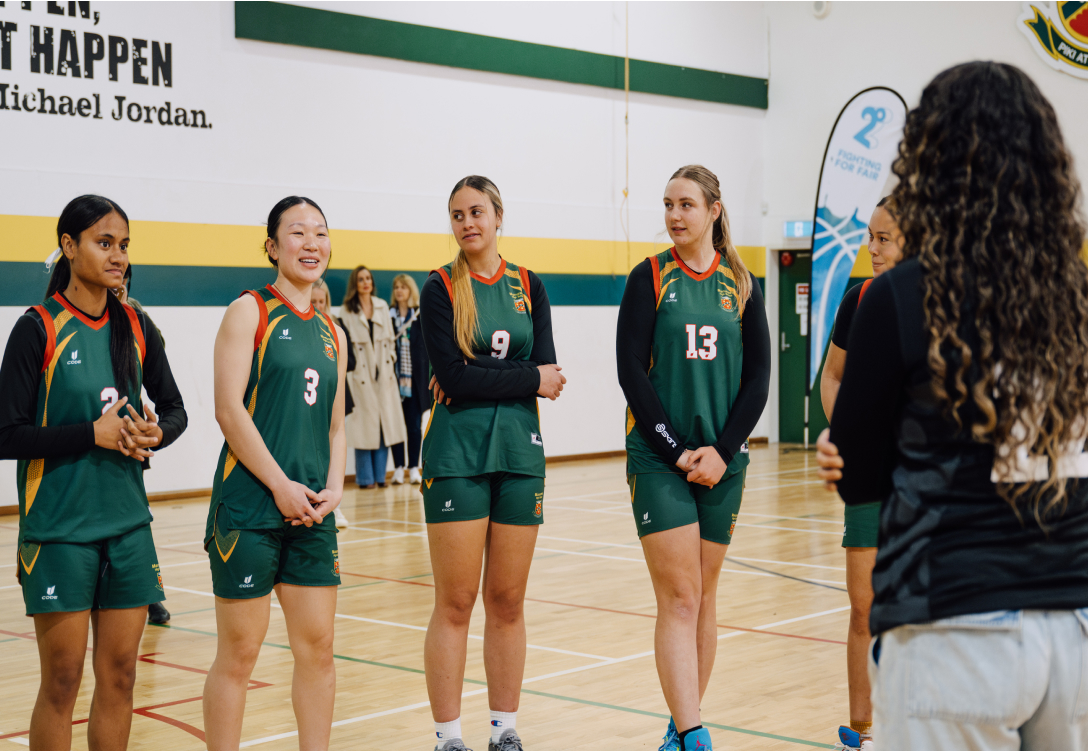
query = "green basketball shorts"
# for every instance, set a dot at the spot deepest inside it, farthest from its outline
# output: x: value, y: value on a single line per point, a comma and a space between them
x: 505, y: 497
x: 118, y: 572
x: 862, y: 525
x: 248, y: 563
x: 667, y: 500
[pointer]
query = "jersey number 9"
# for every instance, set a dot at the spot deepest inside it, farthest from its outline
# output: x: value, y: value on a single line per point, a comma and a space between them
x: 708, y: 351
x: 312, y: 379
x: 500, y: 344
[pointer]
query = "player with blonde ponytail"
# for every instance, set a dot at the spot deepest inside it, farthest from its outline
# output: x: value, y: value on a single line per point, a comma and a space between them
x: 487, y: 327
x: 694, y: 361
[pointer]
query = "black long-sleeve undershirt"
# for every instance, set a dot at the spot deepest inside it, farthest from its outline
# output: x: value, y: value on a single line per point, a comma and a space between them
x: 634, y: 341
x: 484, y: 378
x: 21, y: 374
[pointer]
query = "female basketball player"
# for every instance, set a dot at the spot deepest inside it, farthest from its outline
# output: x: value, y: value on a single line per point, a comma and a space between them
x: 973, y: 440
x: 85, y: 547
x: 693, y: 353
x: 487, y: 327
x: 862, y: 521
x: 279, y: 398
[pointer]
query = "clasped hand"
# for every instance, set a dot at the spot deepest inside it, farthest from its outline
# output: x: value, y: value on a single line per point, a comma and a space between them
x: 704, y: 466
x: 302, y: 506
x: 130, y: 434
x: 551, y: 384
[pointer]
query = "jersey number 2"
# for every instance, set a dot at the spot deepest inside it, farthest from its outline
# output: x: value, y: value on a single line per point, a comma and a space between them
x: 708, y: 351
x: 109, y: 396
x: 312, y: 379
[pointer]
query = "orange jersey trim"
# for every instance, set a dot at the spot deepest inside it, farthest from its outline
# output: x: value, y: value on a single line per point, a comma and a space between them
x: 137, y: 331
x: 687, y: 270
x: 332, y: 330
x: 524, y: 273
x: 50, y: 335
x: 262, y: 323
x: 447, y: 281
x: 492, y: 280
x: 864, y: 287
x: 304, y: 316
x: 96, y: 325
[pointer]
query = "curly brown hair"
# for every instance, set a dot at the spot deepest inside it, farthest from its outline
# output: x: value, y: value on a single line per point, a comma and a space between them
x: 988, y: 203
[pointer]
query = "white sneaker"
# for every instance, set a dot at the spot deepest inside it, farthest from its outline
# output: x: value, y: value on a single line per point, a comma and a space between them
x: 341, y: 520
x: 398, y: 476
x: 414, y: 476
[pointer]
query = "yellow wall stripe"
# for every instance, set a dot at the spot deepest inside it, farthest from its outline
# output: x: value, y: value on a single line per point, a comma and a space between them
x: 31, y: 238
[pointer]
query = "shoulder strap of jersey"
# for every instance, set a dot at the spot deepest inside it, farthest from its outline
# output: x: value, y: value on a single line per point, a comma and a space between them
x: 864, y: 287
x: 655, y: 267
x: 445, y: 280
x: 524, y: 274
x: 50, y: 334
x: 137, y: 331
x: 332, y: 330
x: 262, y: 321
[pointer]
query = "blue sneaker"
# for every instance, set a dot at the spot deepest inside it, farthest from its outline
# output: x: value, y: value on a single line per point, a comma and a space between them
x: 671, y: 739
x: 851, y: 740
x: 697, y: 740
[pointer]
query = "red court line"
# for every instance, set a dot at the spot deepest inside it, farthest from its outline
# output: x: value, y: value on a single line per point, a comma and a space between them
x: 609, y: 610
x: 145, y: 658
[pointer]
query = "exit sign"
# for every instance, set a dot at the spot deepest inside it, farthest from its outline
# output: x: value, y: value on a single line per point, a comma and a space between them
x: 792, y: 230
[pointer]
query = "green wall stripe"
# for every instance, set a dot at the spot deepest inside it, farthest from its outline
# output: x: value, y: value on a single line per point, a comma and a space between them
x: 343, y: 32
x: 23, y: 284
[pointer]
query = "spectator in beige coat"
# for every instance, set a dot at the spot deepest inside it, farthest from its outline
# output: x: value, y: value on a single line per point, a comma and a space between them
x: 377, y: 421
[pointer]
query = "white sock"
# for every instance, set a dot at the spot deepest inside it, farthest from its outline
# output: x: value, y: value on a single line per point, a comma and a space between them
x: 447, y: 731
x: 500, y: 722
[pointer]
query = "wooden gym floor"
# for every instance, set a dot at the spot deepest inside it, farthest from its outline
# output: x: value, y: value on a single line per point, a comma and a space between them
x: 779, y: 681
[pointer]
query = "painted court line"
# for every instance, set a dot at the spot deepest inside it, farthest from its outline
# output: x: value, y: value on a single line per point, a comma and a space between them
x: 602, y: 663
x: 394, y: 624
x: 838, y: 522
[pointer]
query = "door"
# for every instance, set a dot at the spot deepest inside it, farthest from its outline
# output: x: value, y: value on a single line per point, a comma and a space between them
x: 793, y: 294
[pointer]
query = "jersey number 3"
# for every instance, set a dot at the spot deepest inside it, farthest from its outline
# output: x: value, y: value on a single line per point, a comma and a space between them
x: 312, y: 379
x: 708, y: 351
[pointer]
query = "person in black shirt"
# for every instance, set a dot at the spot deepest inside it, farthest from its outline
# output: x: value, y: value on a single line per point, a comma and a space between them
x: 964, y: 410
x: 862, y: 520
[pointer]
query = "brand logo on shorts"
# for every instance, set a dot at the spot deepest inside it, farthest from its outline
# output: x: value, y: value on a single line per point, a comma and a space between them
x: 284, y: 334
x: 646, y: 518
x: 75, y: 358
x: 539, y: 504
x: 247, y: 582
x: 158, y: 575
x: 336, y: 562
x: 534, y: 438
x: 449, y: 505
x: 49, y: 593
x: 661, y: 429
x: 733, y: 525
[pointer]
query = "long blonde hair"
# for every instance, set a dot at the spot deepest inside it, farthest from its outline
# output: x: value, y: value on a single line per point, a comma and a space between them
x: 466, y: 320
x: 413, y: 291
x: 722, y: 239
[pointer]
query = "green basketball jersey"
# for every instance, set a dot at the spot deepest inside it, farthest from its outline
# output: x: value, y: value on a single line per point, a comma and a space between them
x: 98, y: 494
x: 695, y: 361
x: 466, y: 439
x: 292, y: 385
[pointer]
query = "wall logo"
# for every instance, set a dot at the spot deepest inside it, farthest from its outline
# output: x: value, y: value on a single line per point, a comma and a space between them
x: 1058, y: 32
x: 49, y: 593
x: 75, y: 358
x: 661, y: 429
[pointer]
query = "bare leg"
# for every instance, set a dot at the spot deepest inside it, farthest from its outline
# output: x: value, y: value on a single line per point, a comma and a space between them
x: 456, y: 559
x: 673, y: 557
x: 311, y: 613
x: 712, y: 555
x: 117, y: 636
x: 859, y: 587
x: 62, y: 648
x: 242, y: 625
x: 506, y: 574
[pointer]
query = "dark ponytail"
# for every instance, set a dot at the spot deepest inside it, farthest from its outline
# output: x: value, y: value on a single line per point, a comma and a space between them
x: 276, y: 214
x: 78, y: 216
